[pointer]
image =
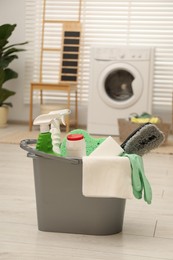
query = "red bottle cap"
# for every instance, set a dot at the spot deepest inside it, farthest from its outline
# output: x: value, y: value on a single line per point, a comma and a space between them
x: 75, y: 137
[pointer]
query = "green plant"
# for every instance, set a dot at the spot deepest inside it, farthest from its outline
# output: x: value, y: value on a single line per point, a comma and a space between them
x: 8, y: 53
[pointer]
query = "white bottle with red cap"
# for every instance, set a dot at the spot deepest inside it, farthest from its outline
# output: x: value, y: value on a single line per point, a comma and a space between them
x: 75, y: 145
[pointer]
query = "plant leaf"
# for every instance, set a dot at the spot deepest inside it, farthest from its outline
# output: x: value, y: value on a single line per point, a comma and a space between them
x: 5, y: 61
x: 3, y: 42
x: 12, y: 50
x: 9, y: 74
x: 6, y: 75
x: 5, y: 32
x: 2, y: 76
x: 13, y: 45
x: 7, y: 54
x: 4, y: 94
x: 7, y: 104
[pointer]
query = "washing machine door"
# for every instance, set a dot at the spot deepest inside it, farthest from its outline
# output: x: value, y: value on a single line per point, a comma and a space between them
x: 120, y: 85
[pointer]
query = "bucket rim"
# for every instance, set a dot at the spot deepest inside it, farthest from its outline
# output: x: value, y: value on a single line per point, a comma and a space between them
x: 28, y: 145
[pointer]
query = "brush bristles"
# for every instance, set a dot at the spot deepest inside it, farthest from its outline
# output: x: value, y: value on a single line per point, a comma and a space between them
x: 148, y: 137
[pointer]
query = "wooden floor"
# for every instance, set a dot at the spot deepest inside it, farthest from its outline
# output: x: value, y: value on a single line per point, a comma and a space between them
x: 147, y: 232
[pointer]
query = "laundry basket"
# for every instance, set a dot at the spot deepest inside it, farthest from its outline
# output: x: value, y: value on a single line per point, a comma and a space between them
x: 61, y: 207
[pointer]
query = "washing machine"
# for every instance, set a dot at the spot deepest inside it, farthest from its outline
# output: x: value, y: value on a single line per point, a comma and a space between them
x: 120, y: 84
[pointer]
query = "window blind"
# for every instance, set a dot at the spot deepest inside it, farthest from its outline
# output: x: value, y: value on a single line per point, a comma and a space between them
x: 135, y: 22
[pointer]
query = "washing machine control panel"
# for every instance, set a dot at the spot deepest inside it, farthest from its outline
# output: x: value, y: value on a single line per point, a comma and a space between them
x: 115, y: 53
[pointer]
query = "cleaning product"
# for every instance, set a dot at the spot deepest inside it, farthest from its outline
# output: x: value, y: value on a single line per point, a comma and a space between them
x: 138, y: 178
x: 144, y: 118
x: 143, y: 139
x: 44, y: 142
x: 49, y: 139
x: 153, y: 120
x: 75, y: 145
x: 55, y: 127
x: 91, y: 143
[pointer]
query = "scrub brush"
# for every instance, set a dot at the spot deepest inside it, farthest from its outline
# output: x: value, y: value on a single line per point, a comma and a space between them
x: 145, y: 138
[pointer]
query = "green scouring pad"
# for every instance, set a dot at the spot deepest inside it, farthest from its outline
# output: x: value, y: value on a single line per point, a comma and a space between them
x: 91, y: 143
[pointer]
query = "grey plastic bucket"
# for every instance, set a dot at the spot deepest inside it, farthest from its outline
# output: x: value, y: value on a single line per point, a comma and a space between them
x: 61, y: 207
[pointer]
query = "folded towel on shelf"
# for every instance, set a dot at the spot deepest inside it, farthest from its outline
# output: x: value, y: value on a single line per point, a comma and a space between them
x: 105, y: 174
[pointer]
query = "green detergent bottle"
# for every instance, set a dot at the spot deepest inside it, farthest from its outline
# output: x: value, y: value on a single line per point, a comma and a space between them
x: 44, y: 141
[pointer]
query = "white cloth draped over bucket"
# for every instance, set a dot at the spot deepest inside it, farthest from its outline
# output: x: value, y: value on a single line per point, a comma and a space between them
x: 105, y: 174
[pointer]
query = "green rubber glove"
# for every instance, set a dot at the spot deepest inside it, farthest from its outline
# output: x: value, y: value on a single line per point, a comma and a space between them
x: 145, y: 182
x: 139, y: 180
x: 135, y: 176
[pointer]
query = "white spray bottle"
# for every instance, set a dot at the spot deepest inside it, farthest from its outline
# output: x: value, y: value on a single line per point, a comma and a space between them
x: 55, y: 127
x: 54, y: 119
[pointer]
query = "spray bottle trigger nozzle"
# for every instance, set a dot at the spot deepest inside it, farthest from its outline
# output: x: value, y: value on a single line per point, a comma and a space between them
x: 63, y: 120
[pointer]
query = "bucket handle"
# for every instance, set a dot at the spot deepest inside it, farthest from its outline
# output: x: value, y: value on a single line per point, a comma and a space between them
x: 32, y: 152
